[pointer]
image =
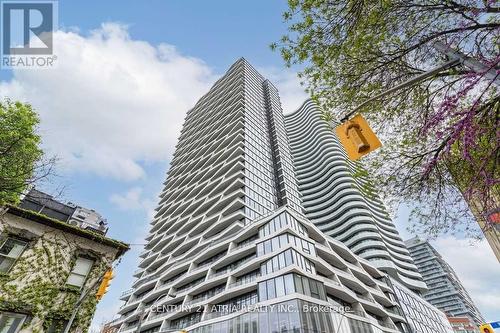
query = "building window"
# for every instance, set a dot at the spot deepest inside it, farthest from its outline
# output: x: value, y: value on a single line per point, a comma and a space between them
x: 285, y: 259
x: 56, y: 325
x: 10, y: 250
x: 283, y: 240
x: 11, y: 322
x: 209, y: 293
x: 152, y: 329
x: 80, y: 272
x: 288, y: 284
x: 234, y: 304
x: 279, y: 222
x: 185, y: 321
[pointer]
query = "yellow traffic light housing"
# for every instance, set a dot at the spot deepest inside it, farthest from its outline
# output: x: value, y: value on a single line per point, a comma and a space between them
x: 486, y: 328
x: 103, y: 287
x: 357, y: 137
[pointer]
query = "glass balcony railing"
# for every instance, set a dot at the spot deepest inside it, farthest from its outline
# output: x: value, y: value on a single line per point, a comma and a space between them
x: 127, y: 293
x: 232, y: 268
x: 243, y: 282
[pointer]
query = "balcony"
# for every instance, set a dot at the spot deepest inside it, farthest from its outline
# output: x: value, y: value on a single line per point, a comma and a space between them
x: 155, y: 315
x: 127, y: 293
x: 168, y: 283
x: 332, y: 281
x: 128, y: 327
x: 200, y: 299
x: 357, y: 313
x: 394, y: 310
x: 243, y: 245
x: 230, y: 269
x: 148, y: 278
x: 183, y: 289
x: 243, y: 282
x: 386, y: 324
x: 206, y: 264
x: 365, y: 297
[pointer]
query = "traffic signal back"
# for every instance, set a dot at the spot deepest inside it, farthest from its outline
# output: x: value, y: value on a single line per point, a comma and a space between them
x: 103, y: 287
x: 486, y: 328
x: 357, y: 137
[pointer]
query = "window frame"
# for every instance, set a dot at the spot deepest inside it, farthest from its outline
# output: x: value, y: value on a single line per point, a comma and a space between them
x: 71, y: 272
x: 55, y: 324
x: 23, y: 317
x: 3, y: 241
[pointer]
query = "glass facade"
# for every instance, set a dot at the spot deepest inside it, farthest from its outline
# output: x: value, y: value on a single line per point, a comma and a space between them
x: 211, y: 259
x: 269, y: 177
x: 280, y: 222
x: 261, y: 192
x: 283, y: 167
x: 422, y: 317
x: 446, y: 291
x: 283, y: 240
x: 235, y: 264
x: 233, y: 305
x: 285, y: 259
x: 247, y: 278
x: 209, y: 293
x: 295, y: 316
x: 188, y: 285
x: 186, y: 321
x: 288, y: 284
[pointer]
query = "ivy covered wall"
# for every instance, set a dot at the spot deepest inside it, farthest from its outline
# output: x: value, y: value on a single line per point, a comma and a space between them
x: 36, y: 283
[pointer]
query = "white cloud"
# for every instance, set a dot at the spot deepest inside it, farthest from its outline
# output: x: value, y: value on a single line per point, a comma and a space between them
x: 133, y: 200
x: 477, y: 268
x: 111, y: 102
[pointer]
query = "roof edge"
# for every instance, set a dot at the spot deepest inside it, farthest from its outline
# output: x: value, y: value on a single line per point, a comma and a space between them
x: 50, y: 222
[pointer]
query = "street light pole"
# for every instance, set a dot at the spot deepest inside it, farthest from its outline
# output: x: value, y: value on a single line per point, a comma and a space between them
x: 456, y: 58
x: 476, y: 65
x: 78, y: 303
x: 403, y: 85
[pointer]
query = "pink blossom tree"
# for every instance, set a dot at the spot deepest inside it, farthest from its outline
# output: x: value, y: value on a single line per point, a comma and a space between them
x: 441, y: 136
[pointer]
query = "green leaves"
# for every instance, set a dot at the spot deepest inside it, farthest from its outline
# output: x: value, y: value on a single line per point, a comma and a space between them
x: 37, y: 283
x: 19, y: 149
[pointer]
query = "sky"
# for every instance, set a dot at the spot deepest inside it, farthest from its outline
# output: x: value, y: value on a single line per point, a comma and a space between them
x: 112, y: 108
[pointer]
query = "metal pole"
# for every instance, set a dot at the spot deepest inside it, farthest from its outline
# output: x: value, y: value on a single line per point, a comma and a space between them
x: 405, y: 84
x: 78, y: 304
x: 455, y: 57
x: 476, y: 65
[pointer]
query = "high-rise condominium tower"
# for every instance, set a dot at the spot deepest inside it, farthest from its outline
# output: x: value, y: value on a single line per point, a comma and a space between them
x: 446, y: 292
x: 339, y: 199
x: 229, y: 234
